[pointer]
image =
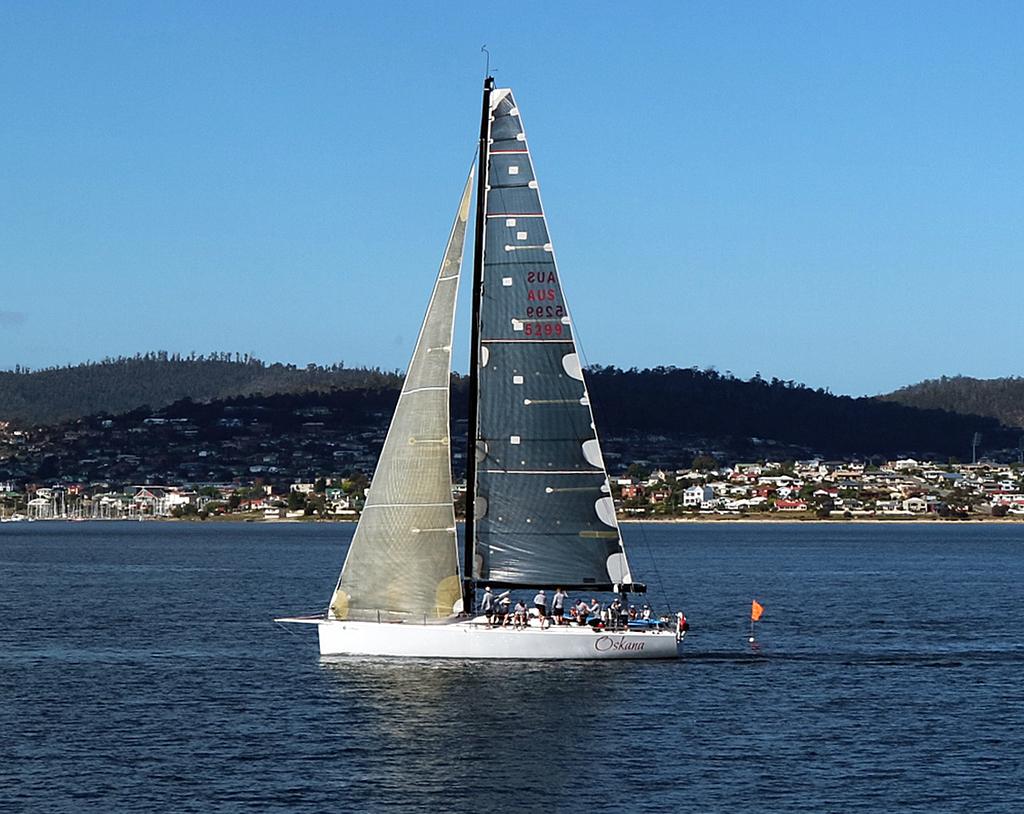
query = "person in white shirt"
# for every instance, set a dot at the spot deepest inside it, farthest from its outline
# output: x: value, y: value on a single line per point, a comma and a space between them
x: 519, y: 615
x: 540, y: 602
x: 581, y: 612
x: 558, y: 606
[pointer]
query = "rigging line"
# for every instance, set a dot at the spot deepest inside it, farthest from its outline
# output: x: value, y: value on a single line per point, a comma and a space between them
x: 292, y: 628
x: 654, y: 567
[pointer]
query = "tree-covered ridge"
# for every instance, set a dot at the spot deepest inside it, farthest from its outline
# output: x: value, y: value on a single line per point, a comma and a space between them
x: 669, y: 409
x: 669, y: 401
x: 1002, y: 399
x: 121, y: 384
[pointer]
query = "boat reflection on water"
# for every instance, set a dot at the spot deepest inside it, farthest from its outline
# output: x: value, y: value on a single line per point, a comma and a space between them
x: 404, y: 690
x: 523, y: 723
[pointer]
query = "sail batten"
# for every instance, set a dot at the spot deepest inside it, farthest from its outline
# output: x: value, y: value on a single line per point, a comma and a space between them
x: 403, y: 560
x: 557, y: 526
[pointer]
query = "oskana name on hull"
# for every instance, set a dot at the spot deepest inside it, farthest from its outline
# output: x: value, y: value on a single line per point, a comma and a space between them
x: 605, y: 643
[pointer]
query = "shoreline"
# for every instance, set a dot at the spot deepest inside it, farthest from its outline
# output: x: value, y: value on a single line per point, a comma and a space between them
x: 622, y: 521
x: 832, y: 521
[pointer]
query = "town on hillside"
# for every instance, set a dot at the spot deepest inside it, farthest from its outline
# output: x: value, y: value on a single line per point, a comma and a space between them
x: 283, y: 458
x: 806, y: 489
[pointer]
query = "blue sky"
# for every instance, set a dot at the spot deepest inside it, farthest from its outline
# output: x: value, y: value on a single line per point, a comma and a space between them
x: 825, y: 192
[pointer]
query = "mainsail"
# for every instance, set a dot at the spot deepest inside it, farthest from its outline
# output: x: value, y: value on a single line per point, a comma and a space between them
x: 544, y: 513
x: 403, y: 561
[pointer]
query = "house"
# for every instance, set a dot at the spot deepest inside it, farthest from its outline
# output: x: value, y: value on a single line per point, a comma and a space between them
x: 694, y: 496
x: 630, y: 490
x: 151, y: 500
x: 338, y: 502
x: 160, y: 501
x: 790, y: 505
x: 915, y: 505
x: 659, y: 495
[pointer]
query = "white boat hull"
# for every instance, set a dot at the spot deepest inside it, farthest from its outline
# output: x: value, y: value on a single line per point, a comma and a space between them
x: 467, y: 640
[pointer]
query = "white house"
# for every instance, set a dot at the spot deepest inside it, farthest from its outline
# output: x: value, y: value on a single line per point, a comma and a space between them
x: 915, y: 505
x: 695, y: 495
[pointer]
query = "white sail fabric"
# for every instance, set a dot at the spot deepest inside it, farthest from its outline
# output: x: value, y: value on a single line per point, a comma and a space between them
x: 544, y: 511
x: 403, y: 562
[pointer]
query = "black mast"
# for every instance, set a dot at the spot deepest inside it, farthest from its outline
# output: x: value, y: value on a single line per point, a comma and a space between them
x: 469, y: 551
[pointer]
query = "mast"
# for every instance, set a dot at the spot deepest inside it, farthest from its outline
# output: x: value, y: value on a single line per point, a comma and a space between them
x: 468, y: 587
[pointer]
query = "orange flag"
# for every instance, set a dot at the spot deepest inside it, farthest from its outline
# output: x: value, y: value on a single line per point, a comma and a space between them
x: 756, y: 609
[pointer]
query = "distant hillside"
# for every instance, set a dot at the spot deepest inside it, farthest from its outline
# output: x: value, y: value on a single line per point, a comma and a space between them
x: 1002, y: 399
x: 663, y: 417
x: 157, y: 379
x: 671, y: 401
x: 687, y: 409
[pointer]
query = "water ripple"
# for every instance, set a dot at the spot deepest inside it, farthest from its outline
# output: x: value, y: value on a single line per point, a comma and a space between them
x: 139, y: 671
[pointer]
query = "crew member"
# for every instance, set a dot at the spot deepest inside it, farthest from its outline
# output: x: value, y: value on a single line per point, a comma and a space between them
x: 487, y: 605
x: 558, y: 606
x: 540, y: 602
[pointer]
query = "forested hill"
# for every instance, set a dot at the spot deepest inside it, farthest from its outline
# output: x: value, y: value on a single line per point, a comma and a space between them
x: 157, y: 379
x: 1002, y: 399
x: 671, y: 401
x: 684, y: 405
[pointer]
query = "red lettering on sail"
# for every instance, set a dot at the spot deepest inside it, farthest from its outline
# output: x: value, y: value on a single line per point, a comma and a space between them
x: 547, y: 311
x: 542, y: 329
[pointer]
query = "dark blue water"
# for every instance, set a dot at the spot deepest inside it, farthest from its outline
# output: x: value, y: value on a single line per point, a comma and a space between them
x: 139, y: 671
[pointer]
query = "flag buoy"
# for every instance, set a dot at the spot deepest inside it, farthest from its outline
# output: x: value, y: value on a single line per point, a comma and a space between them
x: 756, y: 609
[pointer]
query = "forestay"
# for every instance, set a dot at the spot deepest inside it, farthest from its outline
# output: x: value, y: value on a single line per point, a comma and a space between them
x: 544, y: 511
x: 403, y: 561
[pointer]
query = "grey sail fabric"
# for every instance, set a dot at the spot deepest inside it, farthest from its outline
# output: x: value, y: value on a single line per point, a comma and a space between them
x: 544, y: 511
x: 403, y: 561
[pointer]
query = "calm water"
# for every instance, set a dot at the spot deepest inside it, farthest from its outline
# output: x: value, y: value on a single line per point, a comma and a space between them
x: 139, y: 671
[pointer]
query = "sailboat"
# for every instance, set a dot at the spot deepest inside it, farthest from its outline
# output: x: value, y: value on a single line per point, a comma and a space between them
x: 539, y: 509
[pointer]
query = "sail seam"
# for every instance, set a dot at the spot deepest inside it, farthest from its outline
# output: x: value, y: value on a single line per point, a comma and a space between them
x: 541, y: 471
x: 420, y: 390
x: 400, y: 505
x: 518, y: 263
x: 528, y: 341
